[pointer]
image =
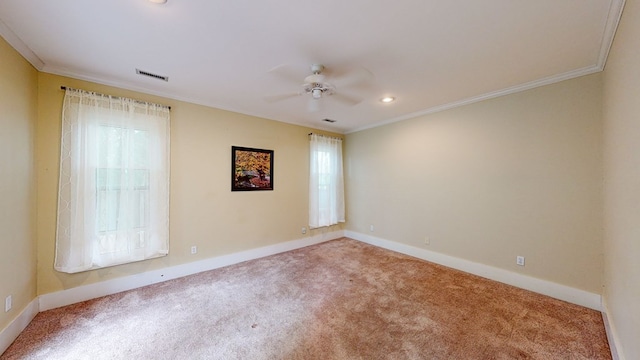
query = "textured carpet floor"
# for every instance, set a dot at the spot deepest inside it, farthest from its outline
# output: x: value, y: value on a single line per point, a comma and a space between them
x: 338, y: 300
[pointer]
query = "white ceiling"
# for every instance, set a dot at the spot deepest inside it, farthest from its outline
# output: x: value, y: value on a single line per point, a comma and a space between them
x: 430, y: 55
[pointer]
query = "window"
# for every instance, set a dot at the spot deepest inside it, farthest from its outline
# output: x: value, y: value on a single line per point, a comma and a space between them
x: 326, y: 184
x: 117, y: 183
x: 114, y: 182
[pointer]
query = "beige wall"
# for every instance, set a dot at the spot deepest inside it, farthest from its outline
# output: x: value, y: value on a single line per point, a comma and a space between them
x: 204, y: 212
x: 622, y: 182
x: 516, y: 175
x: 18, y: 111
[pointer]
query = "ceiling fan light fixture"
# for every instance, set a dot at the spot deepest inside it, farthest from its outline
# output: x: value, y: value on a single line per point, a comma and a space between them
x: 158, y: 1
x: 316, y: 87
x: 388, y: 99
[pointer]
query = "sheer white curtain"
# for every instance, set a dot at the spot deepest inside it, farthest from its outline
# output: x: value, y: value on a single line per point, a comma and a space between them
x: 326, y: 184
x: 113, y: 198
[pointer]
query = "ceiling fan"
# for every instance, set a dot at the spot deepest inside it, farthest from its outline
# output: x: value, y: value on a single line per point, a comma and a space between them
x: 317, y: 87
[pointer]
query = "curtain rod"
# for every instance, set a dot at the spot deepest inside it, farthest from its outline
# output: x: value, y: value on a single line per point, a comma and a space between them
x: 118, y: 97
x: 331, y: 137
x: 328, y: 137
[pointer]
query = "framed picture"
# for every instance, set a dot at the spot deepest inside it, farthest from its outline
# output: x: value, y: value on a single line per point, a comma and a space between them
x: 251, y: 169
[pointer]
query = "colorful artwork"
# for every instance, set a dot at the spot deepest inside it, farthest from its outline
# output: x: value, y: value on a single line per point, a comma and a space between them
x: 251, y: 169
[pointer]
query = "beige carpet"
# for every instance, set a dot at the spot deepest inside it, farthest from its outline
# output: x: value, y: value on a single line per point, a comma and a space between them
x: 338, y: 300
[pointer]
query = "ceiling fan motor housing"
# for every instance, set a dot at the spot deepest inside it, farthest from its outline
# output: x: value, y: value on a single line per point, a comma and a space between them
x: 317, y: 68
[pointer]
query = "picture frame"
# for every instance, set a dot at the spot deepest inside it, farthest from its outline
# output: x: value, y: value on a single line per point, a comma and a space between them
x: 251, y: 169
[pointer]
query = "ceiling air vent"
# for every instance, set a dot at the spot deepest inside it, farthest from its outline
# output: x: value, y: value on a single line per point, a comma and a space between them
x: 329, y: 120
x: 155, y: 76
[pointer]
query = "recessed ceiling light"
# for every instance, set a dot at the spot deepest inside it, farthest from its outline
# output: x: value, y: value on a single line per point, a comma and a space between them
x: 387, y: 99
x: 158, y: 1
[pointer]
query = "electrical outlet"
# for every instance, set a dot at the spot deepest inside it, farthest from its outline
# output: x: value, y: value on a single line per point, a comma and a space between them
x: 427, y: 241
x: 8, y: 303
x: 304, y: 230
x: 520, y: 260
x: 371, y: 228
x: 194, y: 250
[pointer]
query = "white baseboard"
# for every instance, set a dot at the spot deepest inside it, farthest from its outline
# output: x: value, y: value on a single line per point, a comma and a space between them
x: 558, y: 291
x: 11, y: 332
x: 612, y: 333
x: 92, y: 291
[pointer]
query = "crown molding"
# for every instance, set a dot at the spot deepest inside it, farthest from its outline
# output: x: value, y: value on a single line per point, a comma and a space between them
x: 20, y: 46
x: 490, y: 95
x: 613, y: 20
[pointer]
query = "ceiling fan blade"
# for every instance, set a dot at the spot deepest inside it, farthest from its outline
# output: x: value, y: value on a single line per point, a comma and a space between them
x: 287, y: 72
x: 276, y: 98
x: 346, y: 99
x: 354, y: 77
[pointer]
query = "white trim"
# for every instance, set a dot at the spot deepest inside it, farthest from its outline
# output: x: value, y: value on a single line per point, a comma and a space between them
x: 55, y: 70
x: 486, y: 96
x: 20, y: 46
x: 86, y: 292
x: 558, y: 291
x: 92, y: 291
x: 611, y: 25
x: 613, y: 20
x: 612, y: 333
x: 9, y: 334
